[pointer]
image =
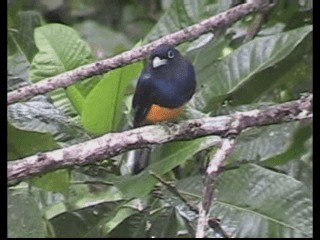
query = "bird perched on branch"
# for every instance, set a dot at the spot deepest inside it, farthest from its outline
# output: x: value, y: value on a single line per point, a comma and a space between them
x: 164, y: 87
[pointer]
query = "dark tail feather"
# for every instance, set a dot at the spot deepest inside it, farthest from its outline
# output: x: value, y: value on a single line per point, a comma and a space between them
x: 140, y: 160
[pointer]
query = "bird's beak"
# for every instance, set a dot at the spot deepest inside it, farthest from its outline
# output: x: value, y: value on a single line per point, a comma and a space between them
x: 157, y: 62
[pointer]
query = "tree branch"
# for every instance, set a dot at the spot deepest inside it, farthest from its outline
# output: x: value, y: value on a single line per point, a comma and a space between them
x: 172, y: 188
x: 257, y: 23
x: 112, y: 144
x: 209, y: 181
x: 68, y: 78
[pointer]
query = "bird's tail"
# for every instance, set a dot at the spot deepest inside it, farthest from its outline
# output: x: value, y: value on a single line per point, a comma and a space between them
x: 138, y: 160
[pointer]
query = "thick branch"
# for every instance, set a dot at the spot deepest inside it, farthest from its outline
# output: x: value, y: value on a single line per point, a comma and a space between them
x: 209, y: 181
x: 113, y: 144
x: 68, y: 78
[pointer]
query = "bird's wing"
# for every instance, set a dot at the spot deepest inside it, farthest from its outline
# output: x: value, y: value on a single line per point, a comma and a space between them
x: 142, y: 99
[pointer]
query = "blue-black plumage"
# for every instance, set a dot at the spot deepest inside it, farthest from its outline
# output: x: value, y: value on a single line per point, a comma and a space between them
x: 167, y: 83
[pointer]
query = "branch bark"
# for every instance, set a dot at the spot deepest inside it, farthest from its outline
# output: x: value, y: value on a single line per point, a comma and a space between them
x: 68, y: 78
x: 257, y: 23
x: 209, y: 181
x: 112, y: 144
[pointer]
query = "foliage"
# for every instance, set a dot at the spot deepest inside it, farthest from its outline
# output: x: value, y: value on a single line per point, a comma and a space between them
x: 265, y: 189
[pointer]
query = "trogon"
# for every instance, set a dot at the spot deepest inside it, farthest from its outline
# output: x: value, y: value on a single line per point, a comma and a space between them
x: 166, y: 84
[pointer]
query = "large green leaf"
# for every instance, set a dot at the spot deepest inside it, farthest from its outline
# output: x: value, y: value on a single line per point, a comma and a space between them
x: 252, y: 201
x: 293, y: 15
x: 264, y: 142
x: 238, y: 67
x: 91, y: 203
x: 12, y: 13
x: 61, y: 49
x: 86, y: 222
x: 62, y: 102
x: 290, y: 77
x: 104, y: 41
x: 21, y: 28
x: 24, y: 143
x: 56, y: 181
x: 102, y: 107
x: 18, y: 71
x: 39, y: 115
x: 164, y: 224
x: 28, y: 21
x: 296, y: 149
x: 18, y: 48
x: 183, y: 13
x: 121, y: 215
x: 265, y: 204
x: 24, y: 217
x: 134, y: 226
x: 301, y: 170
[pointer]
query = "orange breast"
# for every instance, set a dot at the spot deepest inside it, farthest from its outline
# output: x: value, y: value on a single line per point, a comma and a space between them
x: 158, y: 114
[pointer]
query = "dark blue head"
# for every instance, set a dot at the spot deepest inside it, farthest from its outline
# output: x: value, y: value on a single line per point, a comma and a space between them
x: 164, y: 54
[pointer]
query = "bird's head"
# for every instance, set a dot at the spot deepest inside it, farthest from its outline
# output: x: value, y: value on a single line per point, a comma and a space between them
x: 163, y: 55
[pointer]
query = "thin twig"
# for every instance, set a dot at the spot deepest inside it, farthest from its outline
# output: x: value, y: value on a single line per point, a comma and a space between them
x: 68, y: 78
x: 112, y: 144
x: 93, y: 182
x: 175, y: 192
x: 257, y: 23
x: 216, y: 226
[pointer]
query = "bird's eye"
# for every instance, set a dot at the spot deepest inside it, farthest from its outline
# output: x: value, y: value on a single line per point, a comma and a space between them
x: 170, y: 54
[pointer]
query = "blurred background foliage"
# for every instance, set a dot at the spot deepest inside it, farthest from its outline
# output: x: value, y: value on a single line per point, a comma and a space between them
x: 265, y: 189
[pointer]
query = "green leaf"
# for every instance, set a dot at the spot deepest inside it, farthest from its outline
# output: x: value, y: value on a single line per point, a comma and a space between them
x: 38, y: 115
x: 18, y: 71
x: 24, y: 217
x: 228, y: 75
x: 57, y: 181
x: 264, y: 142
x: 265, y: 204
x: 89, y: 204
x: 83, y: 223
x: 84, y: 195
x: 301, y: 170
x: 14, y: 7
x: 61, y: 100
x: 60, y: 50
x: 294, y: 151
x: 134, y: 226
x: 192, y: 186
x: 120, y: 216
x: 104, y: 41
x: 183, y: 13
x: 254, y: 202
x: 21, y: 25
x: 103, y: 106
x: 164, y: 224
x: 24, y: 143
x: 28, y: 21
x: 292, y: 76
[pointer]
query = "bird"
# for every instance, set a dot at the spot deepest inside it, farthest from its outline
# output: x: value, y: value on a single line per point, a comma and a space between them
x: 166, y: 84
